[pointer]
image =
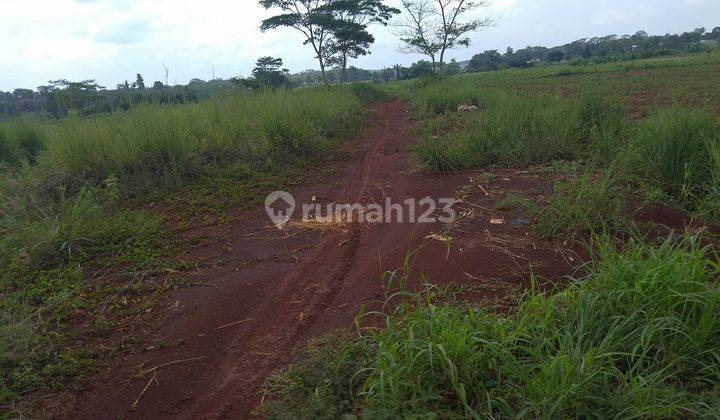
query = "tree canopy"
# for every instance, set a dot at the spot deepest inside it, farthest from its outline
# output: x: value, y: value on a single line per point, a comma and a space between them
x: 336, y: 29
x: 432, y: 27
x: 347, y: 21
x: 306, y: 16
x: 268, y: 71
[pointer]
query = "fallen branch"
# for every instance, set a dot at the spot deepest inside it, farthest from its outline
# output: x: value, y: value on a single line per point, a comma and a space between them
x: 234, y: 323
x: 175, y: 362
x: 137, y: 401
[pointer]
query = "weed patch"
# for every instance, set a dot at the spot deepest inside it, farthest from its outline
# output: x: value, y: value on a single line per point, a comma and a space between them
x: 677, y: 151
x: 637, y: 337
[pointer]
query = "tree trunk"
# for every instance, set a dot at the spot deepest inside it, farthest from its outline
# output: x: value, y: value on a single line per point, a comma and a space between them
x: 343, y: 71
x: 440, y: 67
x: 321, y: 60
x: 322, y: 69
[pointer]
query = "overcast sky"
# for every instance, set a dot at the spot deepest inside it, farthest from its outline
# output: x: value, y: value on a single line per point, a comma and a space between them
x: 112, y: 40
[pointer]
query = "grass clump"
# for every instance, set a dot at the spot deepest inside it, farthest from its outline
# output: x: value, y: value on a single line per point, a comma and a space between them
x: 159, y: 147
x: 513, y: 129
x: 592, y: 203
x: 434, y: 96
x: 678, y: 151
x: 638, y: 336
x: 21, y: 140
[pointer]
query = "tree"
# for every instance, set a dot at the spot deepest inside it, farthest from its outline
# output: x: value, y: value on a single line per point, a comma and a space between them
x: 307, y: 16
x: 419, y: 69
x: 268, y: 72
x: 555, y: 56
x: 350, y: 40
x: 435, y: 26
x: 63, y: 96
x: 347, y: 22
x: 453, y: 67
x: 139, y: 82
x: 486, y: 61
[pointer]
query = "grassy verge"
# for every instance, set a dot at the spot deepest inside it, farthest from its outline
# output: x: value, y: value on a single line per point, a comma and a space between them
x: 637, y: 337
x: 523, y: 130
x: 78, y: 259
x: 524, y: 119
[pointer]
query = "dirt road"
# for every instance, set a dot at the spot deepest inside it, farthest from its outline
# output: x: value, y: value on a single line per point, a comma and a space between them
x: 268, y: 291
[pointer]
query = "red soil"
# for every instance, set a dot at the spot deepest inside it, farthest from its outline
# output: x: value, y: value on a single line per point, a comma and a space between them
x: 269, y: 291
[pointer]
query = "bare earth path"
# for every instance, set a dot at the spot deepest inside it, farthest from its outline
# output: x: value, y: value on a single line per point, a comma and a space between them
x: 267, y: 292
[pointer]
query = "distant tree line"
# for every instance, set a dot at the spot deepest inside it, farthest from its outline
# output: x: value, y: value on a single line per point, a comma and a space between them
x: 599, y: 49
x: 60, y: 98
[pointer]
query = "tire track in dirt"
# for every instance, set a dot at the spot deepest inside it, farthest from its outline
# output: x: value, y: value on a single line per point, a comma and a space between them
x: 272, y: 291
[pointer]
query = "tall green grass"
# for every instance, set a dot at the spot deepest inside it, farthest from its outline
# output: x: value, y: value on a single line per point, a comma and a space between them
x: 677, y: 150
x: 21, y: 140
x: 592, y: 203
x: 151, y: 145
x: 523, y: 121
x: 512, y: 129
x: 638, y: 337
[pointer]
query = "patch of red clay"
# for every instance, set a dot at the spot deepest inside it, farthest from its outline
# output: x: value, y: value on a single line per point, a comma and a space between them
x: 267, y: 292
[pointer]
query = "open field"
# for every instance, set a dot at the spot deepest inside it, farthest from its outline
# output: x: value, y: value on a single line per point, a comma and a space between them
x: 141, y: 277
x: 654, y: 121
x: 635, y: 152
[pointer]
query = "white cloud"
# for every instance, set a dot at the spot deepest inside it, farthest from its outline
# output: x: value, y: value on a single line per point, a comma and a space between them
x: 111, y: 40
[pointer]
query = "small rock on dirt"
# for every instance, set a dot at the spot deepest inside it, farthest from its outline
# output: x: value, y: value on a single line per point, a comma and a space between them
x: 520, y: 222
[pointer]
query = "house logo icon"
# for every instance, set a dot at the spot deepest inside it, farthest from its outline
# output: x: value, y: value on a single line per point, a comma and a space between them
x: 280, y: 207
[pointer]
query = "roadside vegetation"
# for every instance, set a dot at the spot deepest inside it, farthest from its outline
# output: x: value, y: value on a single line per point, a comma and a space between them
x: 637, y: 337
x: 81, y: 240
x: 634, y: 334
x: 656, y: 127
